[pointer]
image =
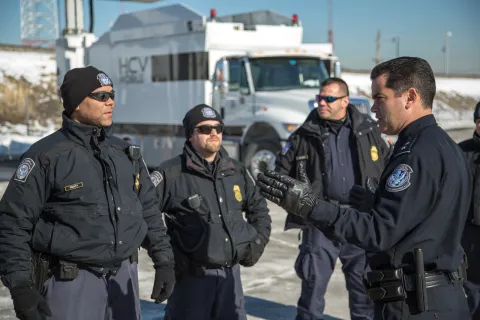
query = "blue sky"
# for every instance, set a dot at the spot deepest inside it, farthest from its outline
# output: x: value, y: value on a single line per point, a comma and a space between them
x: 420, y: 25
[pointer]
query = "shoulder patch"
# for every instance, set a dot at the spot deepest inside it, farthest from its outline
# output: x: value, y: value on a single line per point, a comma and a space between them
x: 24, y: 169
x: 156, y: 178
x: 406, y: 146
x: 399, y: 179
x: 287, y: 146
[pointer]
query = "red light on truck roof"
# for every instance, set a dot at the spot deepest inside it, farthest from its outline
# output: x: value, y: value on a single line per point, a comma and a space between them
x: 294, y: 19
x: 213, y: 14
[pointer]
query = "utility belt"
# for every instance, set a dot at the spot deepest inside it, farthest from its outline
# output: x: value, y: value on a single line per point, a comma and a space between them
x: 46, y: 265
x: 393, y: 284
x: 200, y: 270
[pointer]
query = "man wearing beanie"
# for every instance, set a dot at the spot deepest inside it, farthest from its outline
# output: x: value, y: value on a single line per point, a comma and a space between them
x: 471, y: 233
x: 75, y: 213
x: 204, y: 194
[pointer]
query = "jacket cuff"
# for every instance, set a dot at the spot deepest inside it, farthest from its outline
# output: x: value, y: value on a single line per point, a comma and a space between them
x: 324, y: 214
x: 15, y: 279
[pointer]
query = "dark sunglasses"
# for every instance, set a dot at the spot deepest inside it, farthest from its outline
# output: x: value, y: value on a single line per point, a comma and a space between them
x: 328, y: 99
x: 207, y: 129
x: 102, y: 96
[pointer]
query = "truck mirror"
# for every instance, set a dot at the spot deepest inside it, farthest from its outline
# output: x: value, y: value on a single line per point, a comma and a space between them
x: 337, y: 69
x: 221, y: 86
x: 221, y: 76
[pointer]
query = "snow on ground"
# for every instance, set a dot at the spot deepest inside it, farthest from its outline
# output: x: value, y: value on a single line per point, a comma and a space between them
x: 462, y: 86
x: 32, y: 66
x: 14, y: 139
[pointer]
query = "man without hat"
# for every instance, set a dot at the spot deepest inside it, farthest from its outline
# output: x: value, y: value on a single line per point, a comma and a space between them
x: 203, y: 194
x: 75, y: 213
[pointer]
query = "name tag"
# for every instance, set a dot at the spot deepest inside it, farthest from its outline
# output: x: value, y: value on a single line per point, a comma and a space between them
x: 74, y: 186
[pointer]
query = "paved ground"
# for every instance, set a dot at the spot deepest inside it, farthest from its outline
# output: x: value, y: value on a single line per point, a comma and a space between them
x: 271, y: 287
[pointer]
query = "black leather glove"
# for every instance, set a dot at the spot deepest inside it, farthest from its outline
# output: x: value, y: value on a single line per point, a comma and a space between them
x: 256, y: 250
x: 362, y: 198
x: 29, y: 303
x: 294, y: 196
x: 163, y: 285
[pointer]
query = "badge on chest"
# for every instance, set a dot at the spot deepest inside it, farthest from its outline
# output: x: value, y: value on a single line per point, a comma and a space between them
x: 237, y: 193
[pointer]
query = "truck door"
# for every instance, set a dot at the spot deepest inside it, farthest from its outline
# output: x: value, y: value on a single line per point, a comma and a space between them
x: 239, y: 99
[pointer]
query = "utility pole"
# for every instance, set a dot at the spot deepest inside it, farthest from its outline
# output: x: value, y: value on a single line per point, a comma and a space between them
x: 448, y: 34
x: 330, y: 23
x: 377, y: 56
x: 397, y: 41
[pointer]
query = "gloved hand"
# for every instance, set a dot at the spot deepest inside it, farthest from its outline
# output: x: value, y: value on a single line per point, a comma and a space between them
x: 362, y: 198
x: 256, y: 251
x: 294, y: 196
x: 29, y: 303
x: 163, y: 285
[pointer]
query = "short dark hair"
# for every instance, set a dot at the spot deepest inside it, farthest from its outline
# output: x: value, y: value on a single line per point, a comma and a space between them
x: 404, y: 73
x: 342, y: 84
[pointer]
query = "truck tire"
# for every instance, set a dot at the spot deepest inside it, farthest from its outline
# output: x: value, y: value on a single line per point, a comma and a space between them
x: 260, y: 156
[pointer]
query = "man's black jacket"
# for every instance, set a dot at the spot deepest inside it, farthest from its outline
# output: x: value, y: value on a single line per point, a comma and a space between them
x: 204, y: 210
x: 309, y: 140
x: 77, y: 195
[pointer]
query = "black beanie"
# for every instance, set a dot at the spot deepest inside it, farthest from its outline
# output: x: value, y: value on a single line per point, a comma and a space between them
x: 197, y: 114
x: 78, y: 83
x: 476, y: 113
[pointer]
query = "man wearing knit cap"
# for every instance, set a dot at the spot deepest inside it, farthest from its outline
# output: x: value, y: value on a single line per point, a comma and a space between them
x: 471, y: 233
x: 204, y: 193
x: 75, y: 213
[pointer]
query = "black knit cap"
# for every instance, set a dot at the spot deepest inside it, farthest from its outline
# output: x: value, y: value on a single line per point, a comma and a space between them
x: 476, y: 113
x: 78, y: 83
x: 197, y: 114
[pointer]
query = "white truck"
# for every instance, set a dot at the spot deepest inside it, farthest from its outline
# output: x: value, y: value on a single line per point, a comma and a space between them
x: 251, y: 67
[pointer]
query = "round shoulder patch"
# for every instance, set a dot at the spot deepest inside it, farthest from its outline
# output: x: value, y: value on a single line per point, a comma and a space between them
x: 399, y: 179
x: 208, y: 113
x: 156, y: 178
x: 24, y: 169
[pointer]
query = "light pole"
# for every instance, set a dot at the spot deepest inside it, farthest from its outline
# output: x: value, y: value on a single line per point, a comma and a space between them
x: 397, y: 41
x: 448, y: 34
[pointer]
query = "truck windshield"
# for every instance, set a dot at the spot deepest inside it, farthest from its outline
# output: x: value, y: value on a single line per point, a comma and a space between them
x: 284, y: 73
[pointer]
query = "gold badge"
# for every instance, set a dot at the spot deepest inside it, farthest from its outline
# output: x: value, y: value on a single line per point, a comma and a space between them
x: 238, y: 194
x: 374, y: 153
x: 73, y: 186
x: 137, y: 181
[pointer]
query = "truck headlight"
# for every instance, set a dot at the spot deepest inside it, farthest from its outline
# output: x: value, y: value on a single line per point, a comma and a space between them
x: 290, y: 127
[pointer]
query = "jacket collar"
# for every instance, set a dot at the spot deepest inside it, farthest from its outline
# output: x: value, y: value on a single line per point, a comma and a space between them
x: 84, y: 134
x: 195, y: 162
x: 314, y: 125
x: 417, y: 125
x: 476, y: 139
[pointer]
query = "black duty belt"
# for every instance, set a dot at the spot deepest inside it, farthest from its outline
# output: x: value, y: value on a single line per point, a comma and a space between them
x: 393, y: 284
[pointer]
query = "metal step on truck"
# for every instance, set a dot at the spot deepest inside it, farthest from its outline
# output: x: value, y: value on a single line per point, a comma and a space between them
x: 252, y: 67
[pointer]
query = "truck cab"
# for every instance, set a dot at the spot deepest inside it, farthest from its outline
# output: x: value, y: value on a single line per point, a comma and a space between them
x: 265, y: 96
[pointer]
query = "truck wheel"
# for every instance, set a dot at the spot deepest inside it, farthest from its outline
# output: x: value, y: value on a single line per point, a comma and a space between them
x: 259, y: 157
